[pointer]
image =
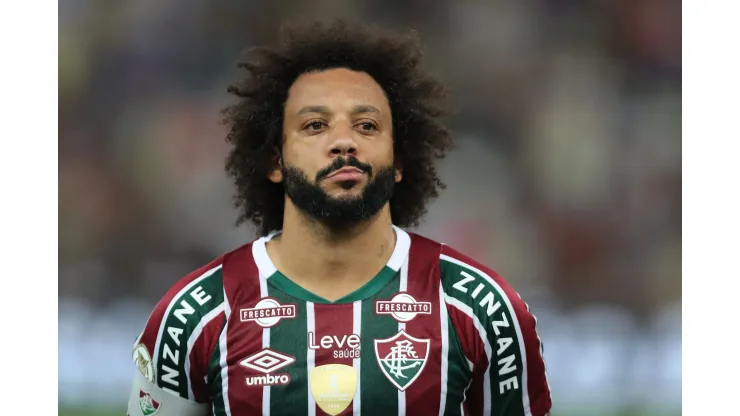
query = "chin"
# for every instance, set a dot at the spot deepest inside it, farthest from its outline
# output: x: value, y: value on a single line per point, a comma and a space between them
x: 346, y: 195
x: 342, y: 190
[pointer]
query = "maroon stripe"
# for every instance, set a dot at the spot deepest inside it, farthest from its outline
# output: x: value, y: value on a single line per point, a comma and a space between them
x: 201, y: 354
x: 475, y: 351
x: 242, y: 287
x: 422, y: 396
x: 469, y: 337
x: 149, y: 335
x: 333, y: 325
x: 475, y: 393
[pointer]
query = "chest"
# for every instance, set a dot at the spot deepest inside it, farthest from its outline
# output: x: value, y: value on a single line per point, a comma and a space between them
x: 387, y: 354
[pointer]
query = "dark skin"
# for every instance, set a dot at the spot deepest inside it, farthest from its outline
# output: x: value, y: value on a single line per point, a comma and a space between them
x: 330, y: 114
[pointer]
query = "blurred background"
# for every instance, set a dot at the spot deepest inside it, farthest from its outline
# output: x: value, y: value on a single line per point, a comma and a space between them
x: 566, y: 179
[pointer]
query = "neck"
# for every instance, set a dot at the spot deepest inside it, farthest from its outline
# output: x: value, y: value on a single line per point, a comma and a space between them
x: 308, y: 251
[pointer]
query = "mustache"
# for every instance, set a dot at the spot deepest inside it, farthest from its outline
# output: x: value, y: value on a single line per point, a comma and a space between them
x: 341, y: 162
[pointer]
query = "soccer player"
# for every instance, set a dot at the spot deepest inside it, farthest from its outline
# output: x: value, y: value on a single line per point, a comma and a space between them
x: 336, y: 309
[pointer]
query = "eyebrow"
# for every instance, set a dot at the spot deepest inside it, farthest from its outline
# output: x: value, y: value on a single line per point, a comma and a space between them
x: 358, y: 109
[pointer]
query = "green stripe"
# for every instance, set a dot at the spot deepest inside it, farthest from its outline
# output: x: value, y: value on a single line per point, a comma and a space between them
x: 214, y: 380
x: 458, y: 373
x: 378, y: 395
x: 173, y: 348
x: 290, y: 337
x: 510, y: 401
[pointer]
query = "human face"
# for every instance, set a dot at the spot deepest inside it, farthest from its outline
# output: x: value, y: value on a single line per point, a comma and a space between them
x: 337, y: 157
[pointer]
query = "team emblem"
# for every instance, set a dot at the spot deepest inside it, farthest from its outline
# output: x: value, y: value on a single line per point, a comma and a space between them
x: 268, y: 312
x: 143, y: 361
x: 403, y: 307
x: 267, y: 361
x: 333, y: 387
x: 402, y: 358
x: 148, y: 405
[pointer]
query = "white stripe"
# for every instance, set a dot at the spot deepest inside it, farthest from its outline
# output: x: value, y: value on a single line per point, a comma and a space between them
x: 445, y: 351
x: 310, y: 356
x: 261, y: 258
x: 155, y: 353
x: 357, y: 329
x: 471, y: 366
x: 224, y: 354
x: 465, y: 394
x: 520, y: 338
x: 467, y: 310
x: 267, y: 267
x: 265, y: 344
x: 404, y: 284
x: 194, y: 337
x: 401, y: 250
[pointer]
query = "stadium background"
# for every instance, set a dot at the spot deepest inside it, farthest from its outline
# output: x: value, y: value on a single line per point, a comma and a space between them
x: 567, y: 178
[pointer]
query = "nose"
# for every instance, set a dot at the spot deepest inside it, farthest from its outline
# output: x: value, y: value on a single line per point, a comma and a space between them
x: 342, y: 142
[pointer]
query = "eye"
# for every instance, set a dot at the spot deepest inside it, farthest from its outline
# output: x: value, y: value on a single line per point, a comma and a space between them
x: 368, y: 126
x: 314, y: 125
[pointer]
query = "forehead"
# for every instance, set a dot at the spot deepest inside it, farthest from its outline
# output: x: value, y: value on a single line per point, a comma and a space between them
x: 335, y: 87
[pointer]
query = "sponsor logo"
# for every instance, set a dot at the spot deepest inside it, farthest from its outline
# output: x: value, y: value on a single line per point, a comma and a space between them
x: 268, y: 380
x: 344, y: 346
x: 402, y: 307
x: 268, y: 312
x: 267, y: 361
x: 502, y: 322
x: 402, y: 358
x: 169, y: 364
x: 143, y: 361
x: 148, y: 405
x: 333, y: 387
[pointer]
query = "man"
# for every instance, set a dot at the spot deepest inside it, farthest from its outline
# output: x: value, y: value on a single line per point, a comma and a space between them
x: 335, y: 309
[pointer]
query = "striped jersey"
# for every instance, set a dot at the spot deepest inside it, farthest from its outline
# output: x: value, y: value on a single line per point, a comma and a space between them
x: 434, y: 332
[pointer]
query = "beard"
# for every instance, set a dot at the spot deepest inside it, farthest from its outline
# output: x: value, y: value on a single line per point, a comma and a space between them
x: 339, y: 213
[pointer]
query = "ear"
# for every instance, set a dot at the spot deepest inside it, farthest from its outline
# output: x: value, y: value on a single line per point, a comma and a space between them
x: 275, y: 174
x: 399, y: 171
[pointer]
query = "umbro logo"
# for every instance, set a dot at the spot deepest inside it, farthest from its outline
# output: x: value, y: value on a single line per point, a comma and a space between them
x: 402, y: 307
x: 267, y: 362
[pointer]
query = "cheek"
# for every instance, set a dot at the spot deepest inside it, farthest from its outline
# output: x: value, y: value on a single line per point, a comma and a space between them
x: 296, y: 153
x: 389, y: 153
x: 304, y: 158
x: 378, y: 149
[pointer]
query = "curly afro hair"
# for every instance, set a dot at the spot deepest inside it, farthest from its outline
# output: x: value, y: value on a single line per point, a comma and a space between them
x: 417, y: 101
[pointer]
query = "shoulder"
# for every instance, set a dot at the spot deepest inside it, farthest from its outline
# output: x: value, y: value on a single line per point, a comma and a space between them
x: 462, y: 277
x: 201, y: 290
x: 186, y: 319
x: 482, y: 302
x: 191, y: 292
x: 470, y: 286
x: 460, y: 273
x: 472, y: 283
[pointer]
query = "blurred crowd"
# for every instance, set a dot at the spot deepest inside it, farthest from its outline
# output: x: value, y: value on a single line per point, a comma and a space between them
x: 566, y: 178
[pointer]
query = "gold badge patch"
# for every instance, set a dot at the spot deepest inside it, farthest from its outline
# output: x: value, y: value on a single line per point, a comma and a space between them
x: 333, y: 387
x: 143, y: 362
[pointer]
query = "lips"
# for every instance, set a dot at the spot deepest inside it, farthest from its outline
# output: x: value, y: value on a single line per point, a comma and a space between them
x: 346, y: 174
